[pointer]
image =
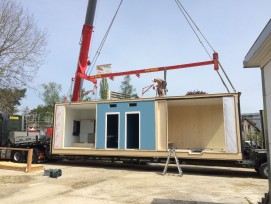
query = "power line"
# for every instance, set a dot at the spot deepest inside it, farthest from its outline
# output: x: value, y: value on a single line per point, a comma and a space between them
x: 190, y: 21
x: 195, y: 25
x: 103, y: 40
x: 184, y: 14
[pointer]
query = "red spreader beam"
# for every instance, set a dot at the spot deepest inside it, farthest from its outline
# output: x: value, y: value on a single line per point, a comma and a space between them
x: 149, y: 70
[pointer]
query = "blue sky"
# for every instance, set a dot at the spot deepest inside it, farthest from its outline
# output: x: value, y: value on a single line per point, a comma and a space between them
x: 154, y: 33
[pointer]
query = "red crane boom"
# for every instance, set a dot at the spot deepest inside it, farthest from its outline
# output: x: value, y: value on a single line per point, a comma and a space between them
x: 83, y: 56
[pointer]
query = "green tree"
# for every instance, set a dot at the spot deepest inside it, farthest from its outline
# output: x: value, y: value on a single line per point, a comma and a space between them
x: 103, y: 89
x: 127, y: 89
x: 254, y: 136
x: 22, y: 45
x: 51, y: 93
x: 10, y: 98
x: 195, y: 92
x: 44, y: 115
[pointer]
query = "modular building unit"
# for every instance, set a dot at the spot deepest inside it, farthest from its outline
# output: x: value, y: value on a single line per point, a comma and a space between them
x: 198, y: 126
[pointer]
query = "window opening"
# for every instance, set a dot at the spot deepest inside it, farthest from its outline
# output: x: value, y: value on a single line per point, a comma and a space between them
x: 113, y: 105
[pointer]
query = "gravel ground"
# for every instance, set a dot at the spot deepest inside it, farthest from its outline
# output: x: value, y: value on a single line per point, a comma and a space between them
x: 89, y: 182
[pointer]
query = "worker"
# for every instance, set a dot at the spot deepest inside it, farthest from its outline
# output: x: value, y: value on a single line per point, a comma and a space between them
x: 160, y: 87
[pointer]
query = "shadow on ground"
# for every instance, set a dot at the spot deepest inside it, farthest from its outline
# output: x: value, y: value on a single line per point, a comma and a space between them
x: 158, y: 168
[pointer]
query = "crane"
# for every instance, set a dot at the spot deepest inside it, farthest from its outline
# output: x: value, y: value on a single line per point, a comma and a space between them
x: 83, y: 61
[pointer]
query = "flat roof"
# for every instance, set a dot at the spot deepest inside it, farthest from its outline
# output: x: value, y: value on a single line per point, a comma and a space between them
x: 260, y: 52
x: 82, y: 104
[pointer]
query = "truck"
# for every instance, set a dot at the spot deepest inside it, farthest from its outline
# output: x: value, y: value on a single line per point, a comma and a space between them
x: 12, y: 135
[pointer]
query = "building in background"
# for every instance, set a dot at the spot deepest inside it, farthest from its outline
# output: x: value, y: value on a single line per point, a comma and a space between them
x: 253, y: 117
x: 251, y: 129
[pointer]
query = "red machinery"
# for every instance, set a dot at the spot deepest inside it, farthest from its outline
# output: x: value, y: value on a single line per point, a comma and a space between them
x: 155, y: 69
x: 83, y: 58
x: 147, y: 88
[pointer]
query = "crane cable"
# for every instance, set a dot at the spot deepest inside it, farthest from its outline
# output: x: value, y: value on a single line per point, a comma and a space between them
x: 98, y: 52
x: 209, y: 46
x: 186, y: 15
x: 195, y: 24
x: 183, y: 12
x: 93, y: 62
x: 69, y: 91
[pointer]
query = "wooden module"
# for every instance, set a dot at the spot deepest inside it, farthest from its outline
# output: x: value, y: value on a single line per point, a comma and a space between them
x: 198, y: 126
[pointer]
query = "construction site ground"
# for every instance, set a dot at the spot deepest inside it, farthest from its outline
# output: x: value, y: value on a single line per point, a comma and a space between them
x: 95, y: 182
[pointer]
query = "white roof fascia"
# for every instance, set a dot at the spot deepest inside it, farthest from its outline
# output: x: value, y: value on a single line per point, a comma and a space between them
x: 260, y: 52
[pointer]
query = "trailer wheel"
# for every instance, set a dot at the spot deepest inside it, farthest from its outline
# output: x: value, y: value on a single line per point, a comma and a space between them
x: 264, y: 170
x: 17, y: 156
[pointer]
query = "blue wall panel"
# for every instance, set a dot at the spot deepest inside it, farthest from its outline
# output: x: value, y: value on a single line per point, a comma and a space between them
x: 147, y: 122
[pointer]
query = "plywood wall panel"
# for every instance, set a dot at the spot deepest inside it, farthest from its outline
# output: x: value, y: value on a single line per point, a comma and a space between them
x: 198, y: 127
x: 161, y: 125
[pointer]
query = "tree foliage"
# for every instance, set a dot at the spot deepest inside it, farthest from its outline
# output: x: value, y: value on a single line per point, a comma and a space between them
x: 51, y: 93
x: 103, y: 89
x: 195, y: 92
x: 127, y: 89
x: 22, y: 45
x: 10, y: 98
x: 43, y: 114
x: 255, y: 136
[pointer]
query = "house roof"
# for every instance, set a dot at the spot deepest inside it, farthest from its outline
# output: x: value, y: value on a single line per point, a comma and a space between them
x: 252, y: 123
x: 260, y: 52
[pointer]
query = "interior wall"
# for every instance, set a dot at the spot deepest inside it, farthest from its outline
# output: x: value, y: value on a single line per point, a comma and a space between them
x: 198, y: 126
x: 87, y: 114
x: 71, y: 115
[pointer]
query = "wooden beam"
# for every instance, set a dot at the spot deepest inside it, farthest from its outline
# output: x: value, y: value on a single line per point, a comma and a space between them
x: 29, y: 160
x: 19, y: 166
x: 29, y: 156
